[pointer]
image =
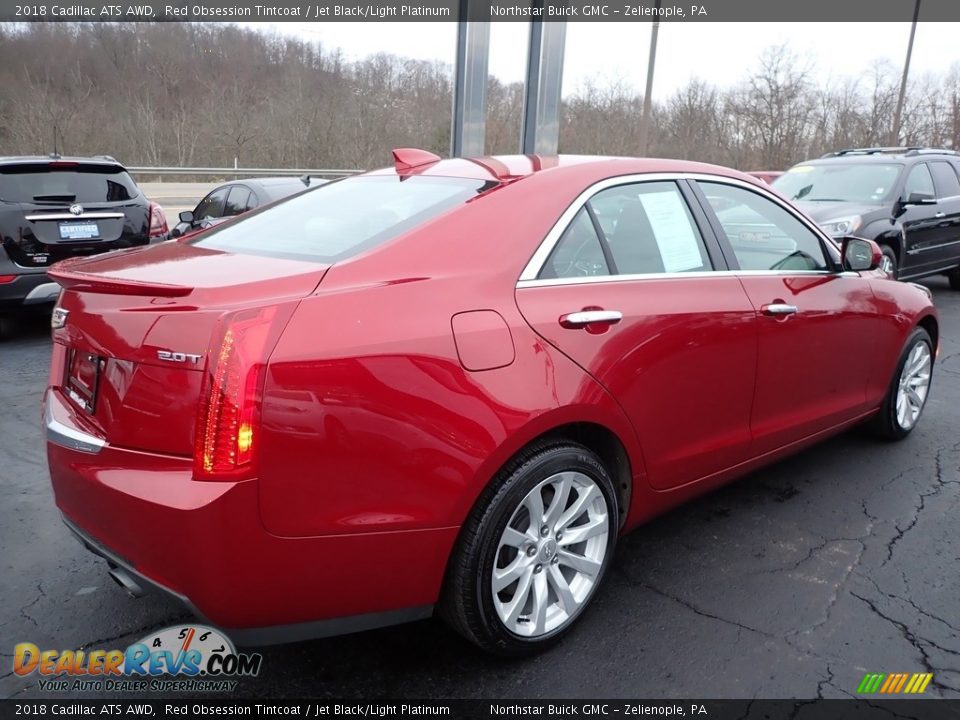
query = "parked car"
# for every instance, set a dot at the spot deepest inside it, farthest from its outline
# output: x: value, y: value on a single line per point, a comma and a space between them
x: 54, y: 207
x: 906, y: 199
x: 768, y: 176
x: 235, y: 198
x: 450, y: 385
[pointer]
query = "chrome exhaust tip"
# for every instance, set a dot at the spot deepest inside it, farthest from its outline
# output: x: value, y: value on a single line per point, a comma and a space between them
x: 125, y: 580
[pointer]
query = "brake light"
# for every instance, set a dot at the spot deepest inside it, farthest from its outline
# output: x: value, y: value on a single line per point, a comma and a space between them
x: 227, y: 422
x: 63, y: 164
x: 158, y: 221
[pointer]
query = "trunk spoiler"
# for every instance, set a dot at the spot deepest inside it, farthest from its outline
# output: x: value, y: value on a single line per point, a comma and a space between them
x: 76, y: 280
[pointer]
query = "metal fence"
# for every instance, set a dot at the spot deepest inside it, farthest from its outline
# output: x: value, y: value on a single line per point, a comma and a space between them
x: 238, y: 172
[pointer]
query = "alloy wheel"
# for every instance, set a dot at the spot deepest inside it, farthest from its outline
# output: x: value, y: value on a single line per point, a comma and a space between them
x: 914, y: 384
x: 550, y: 554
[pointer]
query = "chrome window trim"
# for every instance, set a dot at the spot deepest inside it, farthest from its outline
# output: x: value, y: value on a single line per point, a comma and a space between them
x: 539, y: 258
x: 547, y: 282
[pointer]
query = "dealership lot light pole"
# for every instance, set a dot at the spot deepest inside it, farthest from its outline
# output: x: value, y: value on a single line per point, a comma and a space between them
x: 648, y: 92
x: 895, y: 135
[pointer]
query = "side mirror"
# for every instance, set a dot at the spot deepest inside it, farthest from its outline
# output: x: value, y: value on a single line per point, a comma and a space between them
x: 186, y: 216
x: 920, y: 198
x: 860, y: 255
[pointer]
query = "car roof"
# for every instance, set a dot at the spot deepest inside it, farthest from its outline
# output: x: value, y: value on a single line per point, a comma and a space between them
x: 860, y: 158
x: 40, y: 159
x: 589, y: 168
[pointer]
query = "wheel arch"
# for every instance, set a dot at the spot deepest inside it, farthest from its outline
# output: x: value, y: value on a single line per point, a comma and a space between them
x: 930, y: 324
x: 614, y: 443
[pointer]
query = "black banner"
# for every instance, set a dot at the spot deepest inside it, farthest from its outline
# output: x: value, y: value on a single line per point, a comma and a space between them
x: 853, y: 11
x: 856, y: 709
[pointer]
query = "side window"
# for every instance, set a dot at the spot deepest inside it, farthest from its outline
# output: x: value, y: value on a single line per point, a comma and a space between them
x: 763, y: 235
x: 252, y: 201
x: 649, y: 229
x: 236, y: 201
x: 211, y: 206
x: 945, y: 177
x: 578, y: 252
x: 919, y: 181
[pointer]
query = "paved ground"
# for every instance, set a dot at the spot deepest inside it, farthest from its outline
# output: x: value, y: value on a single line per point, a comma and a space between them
x: 794, y: 582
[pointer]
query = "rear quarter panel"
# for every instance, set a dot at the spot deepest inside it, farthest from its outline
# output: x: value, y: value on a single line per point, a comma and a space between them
x: 370, y: 422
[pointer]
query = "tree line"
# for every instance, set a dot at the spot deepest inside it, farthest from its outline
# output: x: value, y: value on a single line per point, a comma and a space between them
x: 194, y: 94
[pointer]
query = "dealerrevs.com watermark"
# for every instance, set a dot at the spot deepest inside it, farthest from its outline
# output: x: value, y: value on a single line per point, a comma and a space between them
x: 180, y: 658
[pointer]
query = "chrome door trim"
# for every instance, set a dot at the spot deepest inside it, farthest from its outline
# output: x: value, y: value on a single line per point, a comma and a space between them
x: 539, y: 257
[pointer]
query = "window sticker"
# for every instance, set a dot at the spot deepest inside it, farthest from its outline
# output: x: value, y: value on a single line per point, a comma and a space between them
x: 676, y: 239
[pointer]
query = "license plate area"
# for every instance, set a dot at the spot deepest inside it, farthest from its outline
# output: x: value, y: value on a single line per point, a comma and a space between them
x: 79, y: 230
x: 83, y: 379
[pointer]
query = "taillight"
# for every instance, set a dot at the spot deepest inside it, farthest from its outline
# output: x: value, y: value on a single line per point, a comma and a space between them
x: 158, y: 221
x: 7, y: 279
x: 227, y: 423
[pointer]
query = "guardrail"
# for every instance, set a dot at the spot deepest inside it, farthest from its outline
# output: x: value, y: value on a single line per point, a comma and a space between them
x: 238, y: 172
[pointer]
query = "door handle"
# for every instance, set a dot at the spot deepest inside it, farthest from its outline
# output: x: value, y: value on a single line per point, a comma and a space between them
x: 779, y: 309
x: 940, y: 215
x: 583, y: 318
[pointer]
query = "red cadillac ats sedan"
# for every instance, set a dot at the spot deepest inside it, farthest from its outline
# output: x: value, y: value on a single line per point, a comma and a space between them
x: 450, y: 385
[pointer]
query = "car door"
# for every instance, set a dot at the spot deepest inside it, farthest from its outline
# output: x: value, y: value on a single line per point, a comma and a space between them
x: 625, y: 285
x: 946, y: 214
x: 918, y: 222
x: 816, y: 325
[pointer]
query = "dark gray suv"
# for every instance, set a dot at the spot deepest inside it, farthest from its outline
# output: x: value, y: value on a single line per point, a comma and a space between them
x: 906, y: 199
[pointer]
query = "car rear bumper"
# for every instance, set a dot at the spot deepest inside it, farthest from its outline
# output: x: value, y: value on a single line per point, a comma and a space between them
x: 203, y: 543
x: 30, y: 290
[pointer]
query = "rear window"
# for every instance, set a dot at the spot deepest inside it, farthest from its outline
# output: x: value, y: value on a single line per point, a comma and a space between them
x: 343, y: 218
x: 80, y: 183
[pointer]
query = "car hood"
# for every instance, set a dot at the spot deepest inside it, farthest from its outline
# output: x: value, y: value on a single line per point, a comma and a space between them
x: 826, y: 211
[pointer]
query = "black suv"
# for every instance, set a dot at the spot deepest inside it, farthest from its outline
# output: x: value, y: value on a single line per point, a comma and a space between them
x: 907, y: 199
x: 52, y: 208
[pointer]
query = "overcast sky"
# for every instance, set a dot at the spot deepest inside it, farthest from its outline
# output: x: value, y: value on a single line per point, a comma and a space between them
x: 720, y: 53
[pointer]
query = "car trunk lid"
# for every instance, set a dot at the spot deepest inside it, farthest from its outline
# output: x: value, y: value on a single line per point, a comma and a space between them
x: 139, y: 328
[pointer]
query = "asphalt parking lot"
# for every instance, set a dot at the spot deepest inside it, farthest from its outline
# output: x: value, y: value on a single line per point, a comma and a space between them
x: 793, y: 582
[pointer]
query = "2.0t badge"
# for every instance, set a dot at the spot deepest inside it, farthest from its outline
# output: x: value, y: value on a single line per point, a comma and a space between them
x: 171, y: 356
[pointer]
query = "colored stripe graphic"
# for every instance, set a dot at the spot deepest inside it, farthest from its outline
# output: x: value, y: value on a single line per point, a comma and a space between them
x: 914, y: 682
x: 906, y: 683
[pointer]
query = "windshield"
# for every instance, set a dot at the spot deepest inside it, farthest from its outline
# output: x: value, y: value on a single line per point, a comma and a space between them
x: 868, y: 183
x: 335, y: 221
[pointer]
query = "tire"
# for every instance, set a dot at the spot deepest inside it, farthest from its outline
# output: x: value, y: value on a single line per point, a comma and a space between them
x: 896, y: 418
x: 890, y: 256
x: 954, y: 277
x: 530, y: 611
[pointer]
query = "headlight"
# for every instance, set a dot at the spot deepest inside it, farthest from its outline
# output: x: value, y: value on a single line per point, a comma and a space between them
x: 842, y: 226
